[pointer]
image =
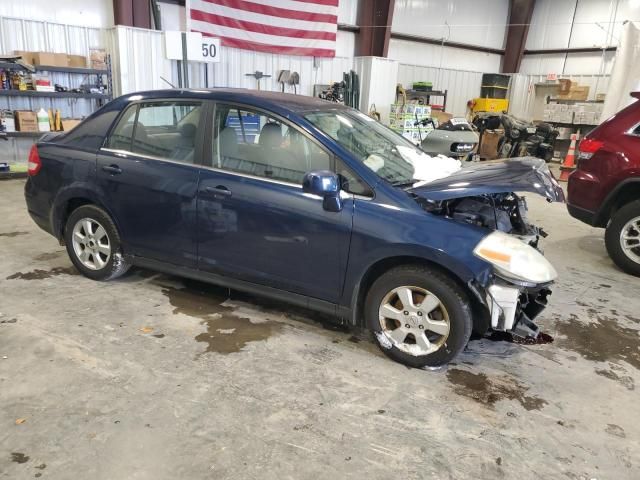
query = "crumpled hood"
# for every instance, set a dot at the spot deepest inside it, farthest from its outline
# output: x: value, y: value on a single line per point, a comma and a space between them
x: 525, y: 174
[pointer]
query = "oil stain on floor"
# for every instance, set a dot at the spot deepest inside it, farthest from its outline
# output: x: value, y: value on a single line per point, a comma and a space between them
x: 12, y: 234
x: 18, y: 457
x: 39, y: 274
x: 601, y: 340
x: 226, y: 332
x: 478, y: 387
x: 43, y: 257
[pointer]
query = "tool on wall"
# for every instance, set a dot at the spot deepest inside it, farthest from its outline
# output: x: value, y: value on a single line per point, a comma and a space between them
x: 294, y: 80
x: 283, y: 77
x: 258, y: 75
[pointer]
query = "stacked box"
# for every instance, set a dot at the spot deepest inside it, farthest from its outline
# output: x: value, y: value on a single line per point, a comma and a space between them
x: 402, y: 118
x: 578, y: 113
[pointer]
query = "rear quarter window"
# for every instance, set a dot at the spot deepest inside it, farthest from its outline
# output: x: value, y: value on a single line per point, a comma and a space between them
x: 90, y: 134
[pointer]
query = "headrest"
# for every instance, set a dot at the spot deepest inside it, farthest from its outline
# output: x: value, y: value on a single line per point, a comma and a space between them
x: 271, y: 135
x: 188, y: 130
x: 228, y: 142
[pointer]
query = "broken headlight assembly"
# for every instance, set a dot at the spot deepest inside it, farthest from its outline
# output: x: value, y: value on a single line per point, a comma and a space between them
x: 514, y: 260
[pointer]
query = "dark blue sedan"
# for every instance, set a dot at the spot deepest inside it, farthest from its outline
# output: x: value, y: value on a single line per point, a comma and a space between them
x: 302, y: 200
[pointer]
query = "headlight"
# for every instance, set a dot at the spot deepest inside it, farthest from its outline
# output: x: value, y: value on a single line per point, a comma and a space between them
x: 515, y: 259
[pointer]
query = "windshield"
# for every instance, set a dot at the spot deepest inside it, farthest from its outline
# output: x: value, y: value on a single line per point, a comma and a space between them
x: 390, y: 155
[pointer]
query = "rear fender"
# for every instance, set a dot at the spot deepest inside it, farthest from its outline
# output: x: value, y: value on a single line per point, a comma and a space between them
x: 76, y: 190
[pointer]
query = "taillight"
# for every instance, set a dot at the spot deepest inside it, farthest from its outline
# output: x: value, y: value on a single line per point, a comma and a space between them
x: 588, y: 147
x: 35, y: 164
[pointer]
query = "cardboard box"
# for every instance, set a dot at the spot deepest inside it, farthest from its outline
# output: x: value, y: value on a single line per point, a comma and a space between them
x: 69, y: 124
x: 79, y: 61
x: 26, y: 121
x: 26, y: 56
x: 50, y: 59
x: 441, y: 117
x: 489, y: 147
x: 98, y: 58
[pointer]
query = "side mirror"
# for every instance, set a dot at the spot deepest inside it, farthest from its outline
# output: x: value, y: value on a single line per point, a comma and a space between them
x: 325, y: 184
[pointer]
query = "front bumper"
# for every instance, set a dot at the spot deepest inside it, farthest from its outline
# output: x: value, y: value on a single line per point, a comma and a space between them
x: 512, y: 307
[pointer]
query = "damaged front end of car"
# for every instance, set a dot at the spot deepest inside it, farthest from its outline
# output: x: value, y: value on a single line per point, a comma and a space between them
x: 517, y: 288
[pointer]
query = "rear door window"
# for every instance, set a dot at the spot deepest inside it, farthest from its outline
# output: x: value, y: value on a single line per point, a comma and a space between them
x: 164, y: 130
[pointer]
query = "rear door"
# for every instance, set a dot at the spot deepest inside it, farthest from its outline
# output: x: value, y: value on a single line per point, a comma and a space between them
x: 148, y: 174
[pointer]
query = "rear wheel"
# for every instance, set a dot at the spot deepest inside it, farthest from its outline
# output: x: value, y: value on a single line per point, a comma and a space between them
x: 93, y: 244
x: 419, y: 316
x: 622, y: 238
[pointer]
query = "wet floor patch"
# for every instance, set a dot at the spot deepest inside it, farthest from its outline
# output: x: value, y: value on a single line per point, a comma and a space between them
x: 618, y: 376
x: 39, y: 274
x: 43, y: 257
x: 12, y: 234
x: 226, y: 331
x: 541, y: 339
x: 601, y: 340
x: 478, y: 387
x: 18, y: 457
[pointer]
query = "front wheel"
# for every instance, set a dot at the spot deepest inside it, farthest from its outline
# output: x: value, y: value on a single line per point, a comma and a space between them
x: 419, y: 316
x: 93, y: 244
x: 622, y: 238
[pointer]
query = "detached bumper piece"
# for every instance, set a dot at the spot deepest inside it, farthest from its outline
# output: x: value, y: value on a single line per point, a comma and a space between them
x: 513, y: 308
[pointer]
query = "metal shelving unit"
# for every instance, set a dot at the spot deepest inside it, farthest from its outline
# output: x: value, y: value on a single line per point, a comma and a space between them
x: 427, y: 94
x: 15, y: 144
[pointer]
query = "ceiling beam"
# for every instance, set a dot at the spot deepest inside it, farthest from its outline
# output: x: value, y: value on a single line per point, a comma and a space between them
x: 548, y: 51
x: 374, y: 20
x: 446, y: 43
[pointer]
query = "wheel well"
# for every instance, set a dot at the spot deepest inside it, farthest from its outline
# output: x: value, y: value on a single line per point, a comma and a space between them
x: 382, y: 266
x: 71, y: 205
x: 627, y: 194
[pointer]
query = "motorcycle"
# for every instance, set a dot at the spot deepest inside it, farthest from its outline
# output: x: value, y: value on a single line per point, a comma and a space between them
x: 521, y: 138
x: 454, y: 138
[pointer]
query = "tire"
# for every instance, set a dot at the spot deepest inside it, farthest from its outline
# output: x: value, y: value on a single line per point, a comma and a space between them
x: 623, y: 222
x: 387, y: 291
x: 102, y: 246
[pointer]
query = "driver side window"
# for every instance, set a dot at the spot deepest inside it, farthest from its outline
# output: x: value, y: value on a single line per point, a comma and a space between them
x: 254, y: 143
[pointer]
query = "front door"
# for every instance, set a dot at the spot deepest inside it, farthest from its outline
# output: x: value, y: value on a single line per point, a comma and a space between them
x: 148, y: 177
x: 254, y: 221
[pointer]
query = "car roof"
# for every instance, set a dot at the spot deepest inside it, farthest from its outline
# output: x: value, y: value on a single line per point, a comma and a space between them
x: 276, y: 101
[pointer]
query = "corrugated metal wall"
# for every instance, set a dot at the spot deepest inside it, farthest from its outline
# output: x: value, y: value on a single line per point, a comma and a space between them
x: 461, y: 85
x: 30, y: 35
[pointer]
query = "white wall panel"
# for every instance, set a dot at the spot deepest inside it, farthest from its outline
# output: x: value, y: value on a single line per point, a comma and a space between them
x: 348, y: 11
x: 462, y: 85
x: 89, y: 13
x: 138, y: 59
x: 597, y: 23
x: 416, y: 53
x: 478, y: 22
x: 172, y: 17
x: 230, y: 72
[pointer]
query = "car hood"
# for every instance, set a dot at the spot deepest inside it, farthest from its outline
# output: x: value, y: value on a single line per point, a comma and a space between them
x: 526, y: 174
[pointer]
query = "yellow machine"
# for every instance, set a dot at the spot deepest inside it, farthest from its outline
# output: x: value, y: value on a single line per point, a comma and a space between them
x: 490, y: 105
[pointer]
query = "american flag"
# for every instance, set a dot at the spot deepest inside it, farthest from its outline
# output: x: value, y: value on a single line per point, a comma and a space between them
x: 293, y: 27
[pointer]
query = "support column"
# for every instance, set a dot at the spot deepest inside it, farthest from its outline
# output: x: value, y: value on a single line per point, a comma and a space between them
x: 374, y: 21
x: 520, y: 14
x: 132, y: 13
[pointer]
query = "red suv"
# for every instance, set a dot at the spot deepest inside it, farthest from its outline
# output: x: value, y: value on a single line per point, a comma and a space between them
x: 604, y: 190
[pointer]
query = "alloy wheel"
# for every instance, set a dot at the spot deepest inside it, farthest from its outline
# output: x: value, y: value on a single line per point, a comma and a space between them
x: 91, y: 243
x: 414, y: 320
x: 630, y: 239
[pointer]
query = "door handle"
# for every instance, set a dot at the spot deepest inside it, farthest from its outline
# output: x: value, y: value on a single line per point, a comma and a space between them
x: 220, y: 190
x: 112, y: 169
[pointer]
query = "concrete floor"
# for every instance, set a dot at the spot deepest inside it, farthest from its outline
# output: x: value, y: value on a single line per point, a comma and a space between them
x: 145, y: 378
